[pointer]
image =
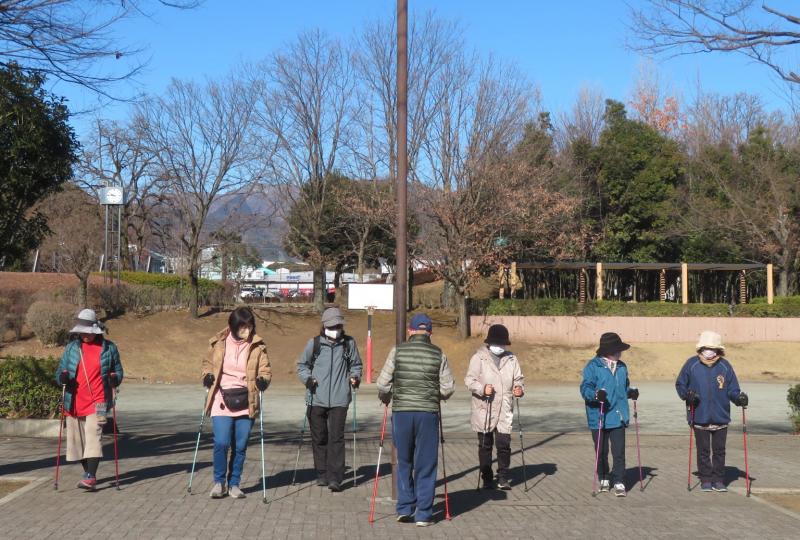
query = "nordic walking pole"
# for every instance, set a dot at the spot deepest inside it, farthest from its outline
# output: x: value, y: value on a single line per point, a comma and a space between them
x: 597, y: 454
x: 309, y: 401
x: 638, y: 451
x: 355, y: 428
x: 483, y: 437
x: 746, y: 465
x: 263, y: 466
x: 116, y: 451
x: 60, y: 428
x: 378, y: 467
x: 521, y: 444
x: 691, y: 440
x: 197, y: 444
x: 444, y: 467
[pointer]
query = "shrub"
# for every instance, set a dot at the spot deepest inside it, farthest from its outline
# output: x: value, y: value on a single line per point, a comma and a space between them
x: 12, y: 314
x: 27, y: 389
x: 51, y: 321
x: 114, y: 300
x: 793, y: 397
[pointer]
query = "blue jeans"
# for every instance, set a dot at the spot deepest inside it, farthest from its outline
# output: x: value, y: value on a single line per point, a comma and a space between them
x: 416, y: 437
x: 230, y: 433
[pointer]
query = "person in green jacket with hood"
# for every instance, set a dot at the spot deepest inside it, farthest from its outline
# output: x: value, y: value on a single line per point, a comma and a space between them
x: 329, y: 367
x: 89, y: 368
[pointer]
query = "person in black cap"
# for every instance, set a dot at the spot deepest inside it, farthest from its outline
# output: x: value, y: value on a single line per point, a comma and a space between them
x: 416, y: 377
x: 494, y: 378
x: 605, y: 382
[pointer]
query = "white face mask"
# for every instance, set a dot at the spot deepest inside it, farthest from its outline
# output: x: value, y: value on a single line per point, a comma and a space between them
x: 708, y: 354
x: 332, y: 333
x: 497, y: 351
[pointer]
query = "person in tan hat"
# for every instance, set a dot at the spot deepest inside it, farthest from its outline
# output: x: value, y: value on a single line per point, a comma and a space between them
x: 708, y: 385
x: 330, y: 368
x: 494, y: 378
x: 89, y: 368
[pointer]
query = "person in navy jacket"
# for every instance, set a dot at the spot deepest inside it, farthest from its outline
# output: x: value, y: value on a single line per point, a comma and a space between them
x: 605, y: 381
x: 708, y: 385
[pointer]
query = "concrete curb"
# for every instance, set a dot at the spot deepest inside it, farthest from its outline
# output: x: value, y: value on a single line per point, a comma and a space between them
x: 33, y: 482
x: 27, y: 427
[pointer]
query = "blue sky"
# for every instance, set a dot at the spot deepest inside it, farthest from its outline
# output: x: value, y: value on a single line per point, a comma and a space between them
x: 560, y: 46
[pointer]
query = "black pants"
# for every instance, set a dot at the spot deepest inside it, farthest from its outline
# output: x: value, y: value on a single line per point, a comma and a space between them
x: 711, y: 454
x: 616, y: 438
x: 502, y: 441
x: 327, y: 439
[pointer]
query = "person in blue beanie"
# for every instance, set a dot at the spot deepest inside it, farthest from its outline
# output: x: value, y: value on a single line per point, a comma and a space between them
x: 605, y: 382
x: 708, y: 385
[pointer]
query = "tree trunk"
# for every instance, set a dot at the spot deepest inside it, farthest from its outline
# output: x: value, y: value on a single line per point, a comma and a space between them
x: 319, y: 288
x: 83, y: 291
x: 463, y: 315
x: 360, y: 255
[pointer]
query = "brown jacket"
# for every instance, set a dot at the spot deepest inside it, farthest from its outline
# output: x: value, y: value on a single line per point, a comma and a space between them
x: 257, y: 366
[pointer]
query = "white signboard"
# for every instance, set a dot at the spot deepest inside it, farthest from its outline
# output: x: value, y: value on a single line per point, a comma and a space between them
x: 364, y: 295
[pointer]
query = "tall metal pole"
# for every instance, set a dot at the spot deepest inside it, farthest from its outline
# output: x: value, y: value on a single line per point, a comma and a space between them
x: 401, y: 268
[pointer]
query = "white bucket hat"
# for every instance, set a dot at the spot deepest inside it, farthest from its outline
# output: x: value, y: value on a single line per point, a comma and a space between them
x: 87, y: 323
x: 710, y: 340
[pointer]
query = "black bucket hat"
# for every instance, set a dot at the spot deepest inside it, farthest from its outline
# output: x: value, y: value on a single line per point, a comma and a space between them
x: 611, y: 343
x: 497, y: 335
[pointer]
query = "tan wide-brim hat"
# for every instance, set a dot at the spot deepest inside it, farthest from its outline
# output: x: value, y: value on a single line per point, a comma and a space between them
x: 710, y: 340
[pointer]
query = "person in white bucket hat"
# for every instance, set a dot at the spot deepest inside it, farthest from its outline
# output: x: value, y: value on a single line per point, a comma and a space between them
x: 708, y: 385
x: 89, y: 368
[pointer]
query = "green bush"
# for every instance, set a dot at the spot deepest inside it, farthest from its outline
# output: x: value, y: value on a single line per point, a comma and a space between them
x: 51, y: 321
x: 168, y: 281
x: 793, y: 397
x: 27, y: 389
x: 783, y: 307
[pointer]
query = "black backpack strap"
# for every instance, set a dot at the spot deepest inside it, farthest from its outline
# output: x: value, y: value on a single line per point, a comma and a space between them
x: 316, y: 350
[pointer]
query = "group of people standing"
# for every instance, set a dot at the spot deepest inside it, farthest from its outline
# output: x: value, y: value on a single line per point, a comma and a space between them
x: 414, y: 380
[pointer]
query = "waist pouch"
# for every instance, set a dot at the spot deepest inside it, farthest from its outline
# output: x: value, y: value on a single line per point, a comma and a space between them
x: 235, y: 399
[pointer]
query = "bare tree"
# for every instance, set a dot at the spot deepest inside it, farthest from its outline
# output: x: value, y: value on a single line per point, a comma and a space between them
x: 68, y: 40
x: 118, y: 154
x: 755, y: 29
x: 306, y: 115
x: 584, y: 121
x: 75, y: 242
x: 199, y: 134
x: 432, y: 43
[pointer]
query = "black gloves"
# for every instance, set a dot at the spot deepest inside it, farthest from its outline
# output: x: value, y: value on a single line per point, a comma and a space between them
x: 63, y: 378
x: 355, y: 382
x: 311, y: 384
x: 385, y: 397
x: 261, y: 384
x: 742, y: 400
x: 114, y: 379
x: 692, y: 399
x: 633, y: 393
x: 208, y: 380
x: 601, y: 395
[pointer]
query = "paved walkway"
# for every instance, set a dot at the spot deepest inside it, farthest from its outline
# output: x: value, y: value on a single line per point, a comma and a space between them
x: 154, y: 503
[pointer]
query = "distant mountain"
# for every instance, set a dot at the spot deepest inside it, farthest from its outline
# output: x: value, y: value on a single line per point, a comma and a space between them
x: 256, y: 217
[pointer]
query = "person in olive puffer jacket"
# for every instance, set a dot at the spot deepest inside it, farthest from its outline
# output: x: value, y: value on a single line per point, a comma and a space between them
x: 415, y: 378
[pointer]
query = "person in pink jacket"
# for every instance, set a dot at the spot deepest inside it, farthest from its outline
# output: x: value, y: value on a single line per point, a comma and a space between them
x: 494, y: 378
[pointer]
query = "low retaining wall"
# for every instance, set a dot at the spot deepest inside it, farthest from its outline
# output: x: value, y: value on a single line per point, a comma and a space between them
x: 587, y: 330
x: 24, y: 427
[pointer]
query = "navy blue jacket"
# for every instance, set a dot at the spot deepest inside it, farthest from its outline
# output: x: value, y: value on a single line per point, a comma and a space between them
x: 596, y: 376
x: 715, y: 385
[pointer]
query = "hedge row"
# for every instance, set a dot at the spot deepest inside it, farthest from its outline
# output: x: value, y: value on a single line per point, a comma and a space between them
x: 168, y: 281
x: 27, y: 389
x: 783, y: 307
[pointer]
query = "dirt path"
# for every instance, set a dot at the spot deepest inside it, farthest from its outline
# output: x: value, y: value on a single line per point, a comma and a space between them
x: 168, y: 347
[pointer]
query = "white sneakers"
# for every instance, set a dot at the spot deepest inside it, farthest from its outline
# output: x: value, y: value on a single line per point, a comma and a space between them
x: 218, y: 491
x: 605, y: 486
x: 619, y: 490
